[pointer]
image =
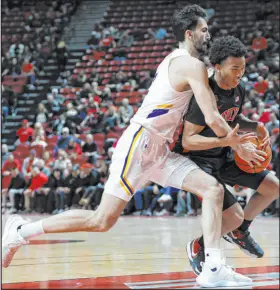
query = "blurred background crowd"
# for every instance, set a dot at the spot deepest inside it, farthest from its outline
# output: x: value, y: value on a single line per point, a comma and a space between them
x: 64, y: 105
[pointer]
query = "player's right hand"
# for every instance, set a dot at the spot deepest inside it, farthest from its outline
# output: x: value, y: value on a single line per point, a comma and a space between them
x: 233, y: 139
x: 249, y: 153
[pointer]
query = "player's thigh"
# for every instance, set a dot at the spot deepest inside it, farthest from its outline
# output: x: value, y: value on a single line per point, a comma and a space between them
x: 181, y: 172
x: 203, y: 184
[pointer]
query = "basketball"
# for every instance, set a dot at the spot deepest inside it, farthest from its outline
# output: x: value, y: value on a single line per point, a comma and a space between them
x: 244, y: 166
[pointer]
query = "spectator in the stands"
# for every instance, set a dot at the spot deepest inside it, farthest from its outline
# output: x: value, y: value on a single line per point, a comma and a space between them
x: 71, y: 182
x: 160, y: 33
x: 5, y: 106
x: 38, y: 180
x: 94, y: 122
x: 14, y: 68
x: 125, y: 113
x: 39, y: 141
x: 62, y: 161
x: 86, y: 90
x: 28, y: 69
x: 111, y: 118
x: 260, y: 42
x: 16, y: 50
x: 45, y: 169
x: 71, y: 111
x: 88, y: 178
x: 28, y: 163
x: 89, y: 149
x: 59, y: 192
x: 263, y: 112
x: 107, y: 42
x: 25, y: 133
x: 93, y: 192
x: 42, y: 113
x: 73, y: 149
x: 81, y: 79
x: 57, y: 96
x: 272, y: 124
x: 15, y: 191
x: 5, y: 153
x: 10, y: 164
x: 94, y: 40
x: 48, y: 159
x: 261, y: 86
x: 38, y: 131
x: 126, y: 39
x: 59, y: 124
x: 146, y: 80
x: 64, y: 139
x: 61, y: 55
x: 52, y: 106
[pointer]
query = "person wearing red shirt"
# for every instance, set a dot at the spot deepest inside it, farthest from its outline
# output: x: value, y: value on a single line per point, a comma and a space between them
x: 25, y: 133
x: 261, y: 86
x: 73, y: 149
x: 260, y: 42
x: 38, y: 180
x: 10, y: 164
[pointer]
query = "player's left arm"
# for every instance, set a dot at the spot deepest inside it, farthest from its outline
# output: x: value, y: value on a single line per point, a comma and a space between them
x: 252, y: 126
x: 248, y: 125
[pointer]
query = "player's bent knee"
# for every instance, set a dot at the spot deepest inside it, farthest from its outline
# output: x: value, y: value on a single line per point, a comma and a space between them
x: 215, y: 192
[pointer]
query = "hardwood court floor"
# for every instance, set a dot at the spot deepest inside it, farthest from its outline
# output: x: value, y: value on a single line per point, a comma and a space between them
x: 151, y: 246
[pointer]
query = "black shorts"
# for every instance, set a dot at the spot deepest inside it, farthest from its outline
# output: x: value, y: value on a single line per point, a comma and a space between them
x: 228, y: 173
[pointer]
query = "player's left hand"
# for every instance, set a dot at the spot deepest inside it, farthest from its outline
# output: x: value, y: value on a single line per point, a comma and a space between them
x: 263, y: 134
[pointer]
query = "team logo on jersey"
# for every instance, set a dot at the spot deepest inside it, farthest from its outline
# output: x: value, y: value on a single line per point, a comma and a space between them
x: 230, y: 114
x: 237, y: 99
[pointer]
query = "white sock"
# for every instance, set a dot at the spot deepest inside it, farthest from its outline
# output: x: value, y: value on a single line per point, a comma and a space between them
x: 213, y: 256
x: 31, y: 230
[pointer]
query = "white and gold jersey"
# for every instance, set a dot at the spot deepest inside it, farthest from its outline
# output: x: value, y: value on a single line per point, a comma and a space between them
x: 163, y: 108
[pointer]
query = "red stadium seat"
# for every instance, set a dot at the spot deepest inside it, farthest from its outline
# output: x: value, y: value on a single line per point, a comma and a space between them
x: 99, y: 137
x: 39, y: 150
x: 113, y: 134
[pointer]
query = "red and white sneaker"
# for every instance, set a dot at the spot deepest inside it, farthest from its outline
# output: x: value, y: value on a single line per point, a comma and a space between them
x: 196, y: 256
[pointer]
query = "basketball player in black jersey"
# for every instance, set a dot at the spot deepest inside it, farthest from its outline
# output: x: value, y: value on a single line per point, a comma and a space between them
x: 213, y: 155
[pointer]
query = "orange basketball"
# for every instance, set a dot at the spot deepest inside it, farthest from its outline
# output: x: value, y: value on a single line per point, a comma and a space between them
x: 244, y: 166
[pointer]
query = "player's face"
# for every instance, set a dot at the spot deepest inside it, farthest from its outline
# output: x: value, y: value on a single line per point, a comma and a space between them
x: 201, y: 36
x: 232, y: 70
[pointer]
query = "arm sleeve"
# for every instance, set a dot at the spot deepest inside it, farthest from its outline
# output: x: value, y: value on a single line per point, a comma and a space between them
x: 194, y: 114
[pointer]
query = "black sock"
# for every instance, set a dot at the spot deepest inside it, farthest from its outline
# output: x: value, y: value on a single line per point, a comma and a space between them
x: 201, y: 241
x: 245, y: 225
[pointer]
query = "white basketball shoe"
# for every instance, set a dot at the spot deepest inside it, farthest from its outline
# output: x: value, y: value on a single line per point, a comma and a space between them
x: 221, y: 276
x: 12, y: 240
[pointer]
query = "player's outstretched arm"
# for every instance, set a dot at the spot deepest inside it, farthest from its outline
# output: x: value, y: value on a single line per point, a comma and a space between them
x: 197, y: 77
x: 193, y: 141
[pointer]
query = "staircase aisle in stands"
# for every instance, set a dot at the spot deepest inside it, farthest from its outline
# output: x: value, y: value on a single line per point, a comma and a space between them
x: 89, y: 13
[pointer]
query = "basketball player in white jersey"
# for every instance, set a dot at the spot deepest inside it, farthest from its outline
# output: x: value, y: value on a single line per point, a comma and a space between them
x: 142, y: 155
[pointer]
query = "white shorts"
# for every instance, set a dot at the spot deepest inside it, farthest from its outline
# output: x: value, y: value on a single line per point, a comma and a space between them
x: 141, y: 157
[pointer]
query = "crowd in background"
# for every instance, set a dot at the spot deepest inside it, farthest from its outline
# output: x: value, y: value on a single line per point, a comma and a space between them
x: 72, y: 170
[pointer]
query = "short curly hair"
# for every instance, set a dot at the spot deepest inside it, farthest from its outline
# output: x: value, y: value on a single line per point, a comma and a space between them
x: 186, y: 19
x: 224, y: 47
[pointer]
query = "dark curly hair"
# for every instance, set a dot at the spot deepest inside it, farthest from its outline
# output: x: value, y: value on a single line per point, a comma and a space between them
x: 186, y: 19
x: 226, y: 46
